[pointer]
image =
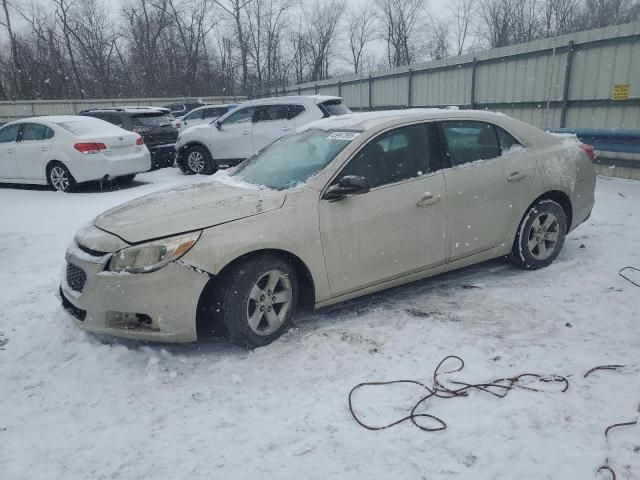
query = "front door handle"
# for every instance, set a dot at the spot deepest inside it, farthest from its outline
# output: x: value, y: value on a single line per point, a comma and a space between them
x: 10, y: 150
x: 286, y: 128
x: 428, y: 199
x: 44, y: 149
x: 515, y: 176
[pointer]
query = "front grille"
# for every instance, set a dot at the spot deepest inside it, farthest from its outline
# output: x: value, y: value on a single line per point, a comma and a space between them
x: 76, y: 277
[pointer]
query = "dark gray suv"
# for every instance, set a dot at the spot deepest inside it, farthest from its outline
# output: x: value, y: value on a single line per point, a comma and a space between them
x: 153, y: 124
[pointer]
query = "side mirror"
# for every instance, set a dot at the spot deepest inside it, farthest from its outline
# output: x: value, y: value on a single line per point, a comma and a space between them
x: 218, y: 124
x: 347, y: 185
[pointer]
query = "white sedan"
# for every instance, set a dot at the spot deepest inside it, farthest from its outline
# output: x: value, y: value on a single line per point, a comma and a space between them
x: 62, y: 151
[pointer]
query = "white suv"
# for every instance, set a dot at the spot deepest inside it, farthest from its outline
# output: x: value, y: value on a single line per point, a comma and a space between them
x: 252, y: 126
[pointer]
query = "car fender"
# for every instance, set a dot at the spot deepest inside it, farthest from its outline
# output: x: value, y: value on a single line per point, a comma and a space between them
x: 221, y: 245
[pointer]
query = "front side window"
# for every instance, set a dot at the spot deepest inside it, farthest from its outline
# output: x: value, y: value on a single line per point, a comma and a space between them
x: 400, y: 154
x: 293, y: 159
x: 469, y: 141
x: 213, y: 112
x: 9, y: 133
x: 33, y: 131
x: 268, y: 113
x: 194, y: 115
x: 244, y: 115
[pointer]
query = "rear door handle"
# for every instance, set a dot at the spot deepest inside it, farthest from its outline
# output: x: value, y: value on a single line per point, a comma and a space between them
x: 44, y: 149
x: 428, y: 199
x: 515, y: 176
x: 286, y: 128
x: 10, y: 150
x: 246, y: 132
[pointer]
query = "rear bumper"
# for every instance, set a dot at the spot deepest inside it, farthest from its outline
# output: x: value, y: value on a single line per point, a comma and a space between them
x: 97, y: 167
x: 157, y: 306
x: 162, y: 156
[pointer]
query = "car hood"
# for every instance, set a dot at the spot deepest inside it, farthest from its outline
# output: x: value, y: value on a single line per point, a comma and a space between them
x: 184, y: 209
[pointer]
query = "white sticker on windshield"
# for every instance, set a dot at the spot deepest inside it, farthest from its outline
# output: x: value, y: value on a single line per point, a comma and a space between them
x: 343, y: 136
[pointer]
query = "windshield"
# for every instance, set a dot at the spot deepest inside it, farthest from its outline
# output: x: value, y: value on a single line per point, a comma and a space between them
x: 293, y: 159
x: 334, y: 107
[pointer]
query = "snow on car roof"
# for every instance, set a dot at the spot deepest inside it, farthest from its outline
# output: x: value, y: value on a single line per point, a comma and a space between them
x: 292, y: 98
x: 375, y: 119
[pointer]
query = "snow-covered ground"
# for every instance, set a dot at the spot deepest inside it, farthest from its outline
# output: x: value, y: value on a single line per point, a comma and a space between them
x: 73, y: 406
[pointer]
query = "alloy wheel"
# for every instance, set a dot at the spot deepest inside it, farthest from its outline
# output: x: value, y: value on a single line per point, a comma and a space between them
x: 543, y: 236
x: 195, y: 161
x: 59, y: 178
x: 268, y: 303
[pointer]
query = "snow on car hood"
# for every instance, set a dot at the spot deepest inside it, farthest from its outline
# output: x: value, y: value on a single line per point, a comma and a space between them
x: 187, y: 208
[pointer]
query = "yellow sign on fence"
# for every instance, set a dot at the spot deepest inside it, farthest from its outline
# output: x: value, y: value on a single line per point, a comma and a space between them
x: 621, y: 91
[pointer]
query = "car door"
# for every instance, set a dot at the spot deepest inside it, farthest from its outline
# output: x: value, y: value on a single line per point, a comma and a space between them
x: 271, y: 123
x: 399, y: 226
x: 8, y: 137
x: 233, y: 140
x: 33, y: 150
x: 486, y: 185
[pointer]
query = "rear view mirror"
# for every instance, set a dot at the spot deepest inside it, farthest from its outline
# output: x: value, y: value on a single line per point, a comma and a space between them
x: 347, y: 185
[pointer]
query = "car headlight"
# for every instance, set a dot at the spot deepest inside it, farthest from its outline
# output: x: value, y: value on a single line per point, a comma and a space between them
x: 152, y: 256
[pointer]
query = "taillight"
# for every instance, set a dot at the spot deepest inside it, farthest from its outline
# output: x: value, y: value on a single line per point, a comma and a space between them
x: 90, y: 147
x: 178, y: 125
x: 139, y: 141
x: 589, y: 150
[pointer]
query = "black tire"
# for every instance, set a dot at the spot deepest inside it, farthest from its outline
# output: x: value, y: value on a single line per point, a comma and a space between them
x: 536, y: 245
x: 231, y: 305
x: 125, y: 180
x: 209, y: 166
x: 59, y: 177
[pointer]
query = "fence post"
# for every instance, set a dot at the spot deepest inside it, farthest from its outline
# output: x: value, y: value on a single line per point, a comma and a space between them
x: 316, y: 88
x: 409, y: 86
x: 370, y: 93
x: 299, y: 91
x: 565, y: 90
x: 339, y: 88
x: 474, y: 69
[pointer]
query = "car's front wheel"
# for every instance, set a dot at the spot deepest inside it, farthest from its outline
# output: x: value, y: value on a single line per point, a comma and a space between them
x: 198, y: 160
x: 256, y: 300
x: 60, y: 178
x: 540, y: 236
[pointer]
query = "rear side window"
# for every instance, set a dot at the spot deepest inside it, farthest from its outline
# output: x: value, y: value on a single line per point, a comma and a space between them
x: 469, y: 141
x: 400, y: 154
x: 9, y: 134
x: 333, y: 107
x: 194, y: 115
x: 506, y: 139
x: 35, y: 131
x: 295, y: 110
x: 151, y: 119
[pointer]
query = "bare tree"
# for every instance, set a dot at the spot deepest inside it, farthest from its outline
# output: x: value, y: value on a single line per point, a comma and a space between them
x: 401, y: 20
x: 321, y: 19
x: 438, y: 42
x: 16, y: 70
x: 600, y: 13
x: 361, y: 30
x: 266, y: 25
x: 235, y: 8
x: 462, y: 11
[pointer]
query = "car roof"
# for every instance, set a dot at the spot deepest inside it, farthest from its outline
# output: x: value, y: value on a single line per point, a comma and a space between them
x: 127, y: 109
x: 292, y: 98
x: 53, y: 119
x: 376, y: 121
x: 215, y: 105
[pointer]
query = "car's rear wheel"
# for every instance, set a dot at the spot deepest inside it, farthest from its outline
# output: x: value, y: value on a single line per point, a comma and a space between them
x: 198, y: 160
x: 256, y: 300
x: 60, y: 178
x: 540, y: 236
